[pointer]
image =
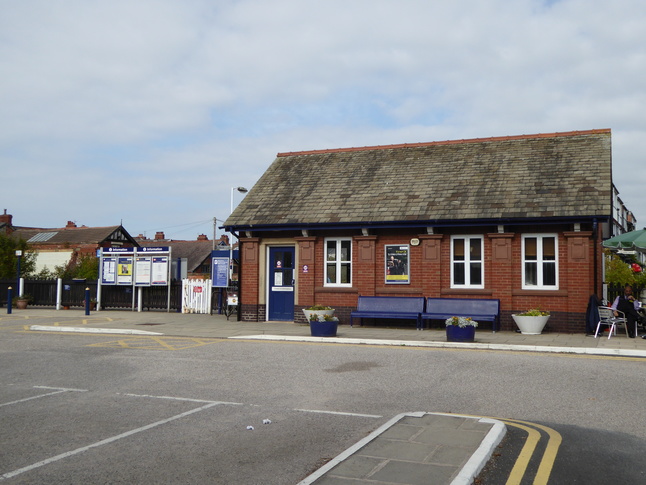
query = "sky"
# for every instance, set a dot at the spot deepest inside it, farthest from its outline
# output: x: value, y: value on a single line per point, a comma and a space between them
x: 148, y: 113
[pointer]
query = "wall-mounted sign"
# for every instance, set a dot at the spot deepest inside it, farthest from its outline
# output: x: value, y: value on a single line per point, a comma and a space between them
x: 397, y: 264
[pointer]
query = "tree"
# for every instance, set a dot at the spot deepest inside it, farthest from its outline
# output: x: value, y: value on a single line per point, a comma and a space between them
x: 9, y: 260
x: 617, y: 271
x: 85, y: 266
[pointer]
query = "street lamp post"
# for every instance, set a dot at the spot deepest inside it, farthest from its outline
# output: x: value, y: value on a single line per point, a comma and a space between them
x: 18, y: 255
x: 242, y: 190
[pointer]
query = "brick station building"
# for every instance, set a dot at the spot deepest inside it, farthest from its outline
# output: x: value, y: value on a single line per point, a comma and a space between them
x: 516, y: 218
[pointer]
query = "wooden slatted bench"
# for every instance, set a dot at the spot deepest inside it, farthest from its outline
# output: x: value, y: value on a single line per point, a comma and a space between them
x: 486, y: 310
x: 389, y: 307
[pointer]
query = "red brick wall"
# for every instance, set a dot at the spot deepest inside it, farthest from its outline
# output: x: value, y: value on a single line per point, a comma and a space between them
x: 430, y: 275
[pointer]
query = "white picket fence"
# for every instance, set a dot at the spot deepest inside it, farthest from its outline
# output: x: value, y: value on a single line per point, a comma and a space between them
x: 196, y: 296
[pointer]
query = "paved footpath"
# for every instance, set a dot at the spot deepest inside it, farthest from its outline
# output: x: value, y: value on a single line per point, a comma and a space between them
x: 412, y: 448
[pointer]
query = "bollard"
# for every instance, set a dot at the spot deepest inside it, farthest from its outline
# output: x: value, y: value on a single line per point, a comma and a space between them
x: 9, y: 302
x: 87, y: 301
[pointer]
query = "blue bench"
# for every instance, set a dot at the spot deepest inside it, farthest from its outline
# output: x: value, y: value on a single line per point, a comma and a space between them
x: 478, y: 309
x: 391, y: 307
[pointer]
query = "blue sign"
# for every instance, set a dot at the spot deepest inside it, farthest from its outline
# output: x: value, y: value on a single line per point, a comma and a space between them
x: 159, y: 249
x: 119, y: 250
x: 220, y: 272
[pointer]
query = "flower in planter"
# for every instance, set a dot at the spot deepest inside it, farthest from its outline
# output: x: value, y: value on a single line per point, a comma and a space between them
x: 534, y: 312
x: 319, y: 307
x: 461, y: 322
x: 322, y: 318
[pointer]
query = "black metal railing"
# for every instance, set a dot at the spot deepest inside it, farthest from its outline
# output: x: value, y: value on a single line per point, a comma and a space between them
x: 616, y: 290
x: 43, y: 294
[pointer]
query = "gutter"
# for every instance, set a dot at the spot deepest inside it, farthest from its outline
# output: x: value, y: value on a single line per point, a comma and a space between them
x: 423, y: 224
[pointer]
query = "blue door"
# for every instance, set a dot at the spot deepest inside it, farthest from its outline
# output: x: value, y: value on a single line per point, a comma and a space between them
x: 281, y: 283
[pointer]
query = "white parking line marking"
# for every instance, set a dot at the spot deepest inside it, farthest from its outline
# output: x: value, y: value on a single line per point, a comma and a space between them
x: 57, y: 390
x: 183, y: 399
x: 30, y: 398
x: 103, y: 442
x: 339, y: 413
x: 70, y: 389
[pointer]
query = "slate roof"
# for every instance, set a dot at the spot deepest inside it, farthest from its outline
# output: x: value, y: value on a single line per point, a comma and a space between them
x: 557, y: 175
x: 73, y: 235
x: 195, y: 252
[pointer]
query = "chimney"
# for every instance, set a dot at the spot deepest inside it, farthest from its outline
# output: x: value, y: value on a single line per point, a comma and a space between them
x: 70, y: 224
x: 224, y: 239
x: 159, y: 236
x: 6, y: 218
x: 202, y: 237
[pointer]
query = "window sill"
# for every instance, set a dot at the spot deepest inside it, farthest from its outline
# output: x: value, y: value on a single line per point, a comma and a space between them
x: 545, y: 292
x: 446, y: 292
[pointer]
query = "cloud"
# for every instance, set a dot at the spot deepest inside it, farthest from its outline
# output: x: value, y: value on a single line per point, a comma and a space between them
x: 151, y: 111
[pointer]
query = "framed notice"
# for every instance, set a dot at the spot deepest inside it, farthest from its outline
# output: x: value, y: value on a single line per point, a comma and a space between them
x: 220, y: 272
x: 124, y: 270
x: 159, y: 271
x: 109, y: 271
x: 142, y: 270
x: 397, y: 266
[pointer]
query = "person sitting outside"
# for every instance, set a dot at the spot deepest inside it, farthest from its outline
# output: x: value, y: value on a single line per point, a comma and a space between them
x: 627, y: 304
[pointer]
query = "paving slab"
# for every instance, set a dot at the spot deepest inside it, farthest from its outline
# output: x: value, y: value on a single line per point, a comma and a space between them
x: 415, y: 449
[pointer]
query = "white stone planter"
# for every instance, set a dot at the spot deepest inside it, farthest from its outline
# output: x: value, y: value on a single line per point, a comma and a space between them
x: 320, y: 313
x: 530, y: 325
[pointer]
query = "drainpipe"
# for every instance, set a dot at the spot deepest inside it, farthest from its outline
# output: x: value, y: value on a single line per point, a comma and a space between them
x: 237, y: 235
x: 595, y: 236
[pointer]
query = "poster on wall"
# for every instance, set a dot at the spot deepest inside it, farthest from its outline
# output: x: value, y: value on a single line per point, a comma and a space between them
x: 124, y: 270
x: 397, y: 264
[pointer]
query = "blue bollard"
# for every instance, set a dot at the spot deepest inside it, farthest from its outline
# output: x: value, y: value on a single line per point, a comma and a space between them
x: 9, y: 302
x: 87, y: 301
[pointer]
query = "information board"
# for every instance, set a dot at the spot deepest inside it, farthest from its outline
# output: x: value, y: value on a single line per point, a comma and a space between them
x: 220, y: 272
x: 124, y: 270
x: 109, y: 271
x: 142, y: 270
x: 159, y: 271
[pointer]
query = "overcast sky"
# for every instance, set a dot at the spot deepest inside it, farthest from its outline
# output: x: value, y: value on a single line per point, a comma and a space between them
x: 148, y: 112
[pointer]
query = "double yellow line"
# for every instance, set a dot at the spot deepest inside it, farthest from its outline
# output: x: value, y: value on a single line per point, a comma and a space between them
x: 533, y: 437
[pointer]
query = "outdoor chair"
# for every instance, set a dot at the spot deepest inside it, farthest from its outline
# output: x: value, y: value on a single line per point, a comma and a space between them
x: 607, y: 317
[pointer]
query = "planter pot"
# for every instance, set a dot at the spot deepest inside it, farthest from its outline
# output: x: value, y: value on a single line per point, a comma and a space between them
x: 21, y: 304
x: 530, y: 325
x: 318, y: 312
x: 460, y: 334
x: 323, y: 329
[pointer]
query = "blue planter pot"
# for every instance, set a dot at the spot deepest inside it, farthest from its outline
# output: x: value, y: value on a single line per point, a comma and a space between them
x: 323, y: 329
x: 460, y: 334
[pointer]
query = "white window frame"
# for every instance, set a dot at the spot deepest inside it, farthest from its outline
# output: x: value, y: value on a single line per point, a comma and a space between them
x: 337, y: 262
x: 540, y: 262
x: 467, y: 262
